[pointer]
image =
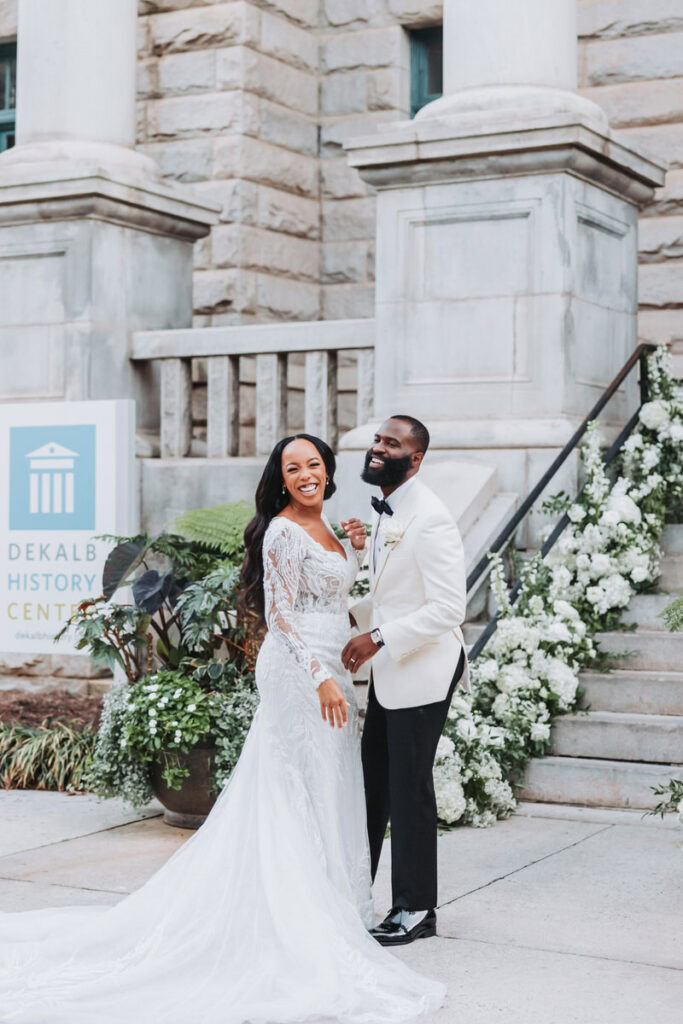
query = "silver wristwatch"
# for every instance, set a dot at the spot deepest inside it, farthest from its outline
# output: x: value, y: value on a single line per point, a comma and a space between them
x: 376, y: 637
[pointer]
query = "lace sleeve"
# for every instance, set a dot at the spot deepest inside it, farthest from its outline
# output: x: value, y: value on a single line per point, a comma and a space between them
x: 283, y: 555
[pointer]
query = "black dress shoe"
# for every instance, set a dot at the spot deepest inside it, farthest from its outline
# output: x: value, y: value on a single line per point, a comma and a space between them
x: 403, y: 926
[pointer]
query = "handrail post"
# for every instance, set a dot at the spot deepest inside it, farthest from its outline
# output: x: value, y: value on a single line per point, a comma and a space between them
x: 644, y: 380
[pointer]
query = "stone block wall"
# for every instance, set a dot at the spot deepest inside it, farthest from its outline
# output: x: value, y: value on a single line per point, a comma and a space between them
x: 228, y: 101
x: 631, y: 63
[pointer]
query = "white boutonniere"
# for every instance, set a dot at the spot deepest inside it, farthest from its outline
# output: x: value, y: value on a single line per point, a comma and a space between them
x: 392, y: 532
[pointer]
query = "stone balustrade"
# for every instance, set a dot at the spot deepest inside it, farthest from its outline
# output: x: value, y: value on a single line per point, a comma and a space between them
x: 220, y: 348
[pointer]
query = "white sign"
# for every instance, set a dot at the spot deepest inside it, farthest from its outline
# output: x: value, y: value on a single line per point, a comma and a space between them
x: 67, y: 473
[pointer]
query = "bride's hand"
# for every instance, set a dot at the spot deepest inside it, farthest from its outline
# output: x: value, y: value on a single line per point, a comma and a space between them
x: 356, y: 532
x: 332, y: 703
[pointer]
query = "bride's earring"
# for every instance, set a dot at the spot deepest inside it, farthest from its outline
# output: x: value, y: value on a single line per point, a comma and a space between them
x: 284, y: 490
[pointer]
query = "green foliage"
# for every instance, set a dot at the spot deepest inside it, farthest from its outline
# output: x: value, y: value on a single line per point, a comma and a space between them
x: 220, y: 528
x: 42, y: 757
x: 113, y: 769
x: 673, y: 791
x: 673, y: 615
x: 557, y: 505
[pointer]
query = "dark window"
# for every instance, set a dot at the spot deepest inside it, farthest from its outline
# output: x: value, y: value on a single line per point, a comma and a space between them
x: 426, y: 67
x: 8, y: 94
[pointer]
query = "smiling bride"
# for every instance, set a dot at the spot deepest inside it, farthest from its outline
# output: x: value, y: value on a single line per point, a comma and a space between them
x: 263, y: 915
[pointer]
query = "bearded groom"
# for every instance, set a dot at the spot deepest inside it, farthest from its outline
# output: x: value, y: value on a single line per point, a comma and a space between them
x: 410, y: 628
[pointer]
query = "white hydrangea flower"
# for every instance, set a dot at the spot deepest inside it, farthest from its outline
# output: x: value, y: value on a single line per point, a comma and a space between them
x: 513, y: 677
x: 487, y: 670
x: 445, y: 748
x: 466, y: 730
x: 576, y: 513
x: 655, y: 415
x: 540, y: 731
x: 563, y: 682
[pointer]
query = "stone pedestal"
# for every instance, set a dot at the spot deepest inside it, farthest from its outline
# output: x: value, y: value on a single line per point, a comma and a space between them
x: 93, y: 244
x: 506, y: 248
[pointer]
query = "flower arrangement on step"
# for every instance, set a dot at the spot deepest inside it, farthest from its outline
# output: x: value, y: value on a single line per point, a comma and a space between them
x: 529, y: 672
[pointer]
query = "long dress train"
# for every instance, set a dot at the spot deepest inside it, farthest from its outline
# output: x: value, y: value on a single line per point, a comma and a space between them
x: 261, y: 916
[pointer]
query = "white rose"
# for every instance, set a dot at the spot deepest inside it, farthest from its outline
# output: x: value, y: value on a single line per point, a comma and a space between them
x: 576, y: 513
x: 191, y: 707
x: 392, y: 531
x: 639, y: 574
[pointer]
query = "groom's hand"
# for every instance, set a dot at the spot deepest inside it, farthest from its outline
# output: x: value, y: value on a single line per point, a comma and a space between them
x: 358, y: 651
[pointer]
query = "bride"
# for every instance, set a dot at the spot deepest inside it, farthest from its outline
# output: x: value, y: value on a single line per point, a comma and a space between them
x: 262, y: 915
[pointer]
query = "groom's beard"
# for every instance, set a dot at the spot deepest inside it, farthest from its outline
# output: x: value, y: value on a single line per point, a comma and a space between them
x: 391, y: 474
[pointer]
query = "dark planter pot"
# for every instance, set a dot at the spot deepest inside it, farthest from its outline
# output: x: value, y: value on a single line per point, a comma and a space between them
x: 189, y: 806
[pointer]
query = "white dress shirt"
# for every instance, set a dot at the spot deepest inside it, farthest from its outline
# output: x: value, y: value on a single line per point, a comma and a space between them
x: 393, y: 501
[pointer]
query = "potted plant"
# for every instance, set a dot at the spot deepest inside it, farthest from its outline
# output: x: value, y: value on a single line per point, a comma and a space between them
x: 175, y: 726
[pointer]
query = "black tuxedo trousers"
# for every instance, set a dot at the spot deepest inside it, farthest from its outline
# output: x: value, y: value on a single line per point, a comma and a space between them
x: 398, y: 750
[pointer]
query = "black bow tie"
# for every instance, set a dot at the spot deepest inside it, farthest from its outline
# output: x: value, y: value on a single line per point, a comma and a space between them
x: 381, y: 506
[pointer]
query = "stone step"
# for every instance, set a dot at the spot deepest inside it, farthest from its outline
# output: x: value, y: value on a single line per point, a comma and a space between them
x: 619, y: 736
x: 650, y: 650
x: 671, y: 575
x: 672, y: 539
x: 645, y: 693
x: 594, y: 783
x: 645, y: 611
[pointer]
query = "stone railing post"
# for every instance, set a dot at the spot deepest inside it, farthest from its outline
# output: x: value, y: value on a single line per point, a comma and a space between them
x: 271, y: 400
x: 223, y: 410
x: 176, y: 407
x: 321, y: 396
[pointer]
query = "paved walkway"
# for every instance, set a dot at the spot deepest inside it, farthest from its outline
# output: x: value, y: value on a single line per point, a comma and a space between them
x: 572, y: 918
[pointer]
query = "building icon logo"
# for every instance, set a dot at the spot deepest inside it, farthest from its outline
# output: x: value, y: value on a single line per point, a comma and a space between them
x: 52, y: 478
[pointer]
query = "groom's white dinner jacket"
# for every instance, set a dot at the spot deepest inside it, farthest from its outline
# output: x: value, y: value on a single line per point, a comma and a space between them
x: 417, y: 597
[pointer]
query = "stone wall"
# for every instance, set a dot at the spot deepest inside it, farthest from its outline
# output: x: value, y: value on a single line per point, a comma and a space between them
x: 8, y: 20
x: 229, y: 102
x: 631, y: 63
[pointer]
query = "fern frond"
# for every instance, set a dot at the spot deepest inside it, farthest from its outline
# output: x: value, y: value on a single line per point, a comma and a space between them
x: 219, y: 528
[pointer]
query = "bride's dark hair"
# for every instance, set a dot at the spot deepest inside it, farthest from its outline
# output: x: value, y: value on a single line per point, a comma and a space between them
x: 270, y: 501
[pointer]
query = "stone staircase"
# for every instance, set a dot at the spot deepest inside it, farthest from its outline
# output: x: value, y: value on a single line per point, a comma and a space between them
x: 630, y: 738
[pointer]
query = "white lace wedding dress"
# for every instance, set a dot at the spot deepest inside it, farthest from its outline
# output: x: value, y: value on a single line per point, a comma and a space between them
x: 261, y: 916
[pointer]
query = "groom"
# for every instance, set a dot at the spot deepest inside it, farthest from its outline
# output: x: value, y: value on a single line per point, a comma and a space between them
x: 410, y: 628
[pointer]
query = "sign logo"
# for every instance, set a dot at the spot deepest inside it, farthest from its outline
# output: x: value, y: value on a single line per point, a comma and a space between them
x: 52, y: 478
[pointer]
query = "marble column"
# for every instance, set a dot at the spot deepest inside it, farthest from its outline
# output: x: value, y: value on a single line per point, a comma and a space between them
x: 507, y: 218
x: 93, y: 243
x: 489, y: 44
x: 76, y: 71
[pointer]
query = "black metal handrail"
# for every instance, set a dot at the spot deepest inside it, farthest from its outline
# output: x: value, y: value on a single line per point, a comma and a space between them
x: 639, y: 356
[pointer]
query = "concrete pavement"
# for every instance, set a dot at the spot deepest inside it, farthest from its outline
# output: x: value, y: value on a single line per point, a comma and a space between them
x: 557, y: 916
